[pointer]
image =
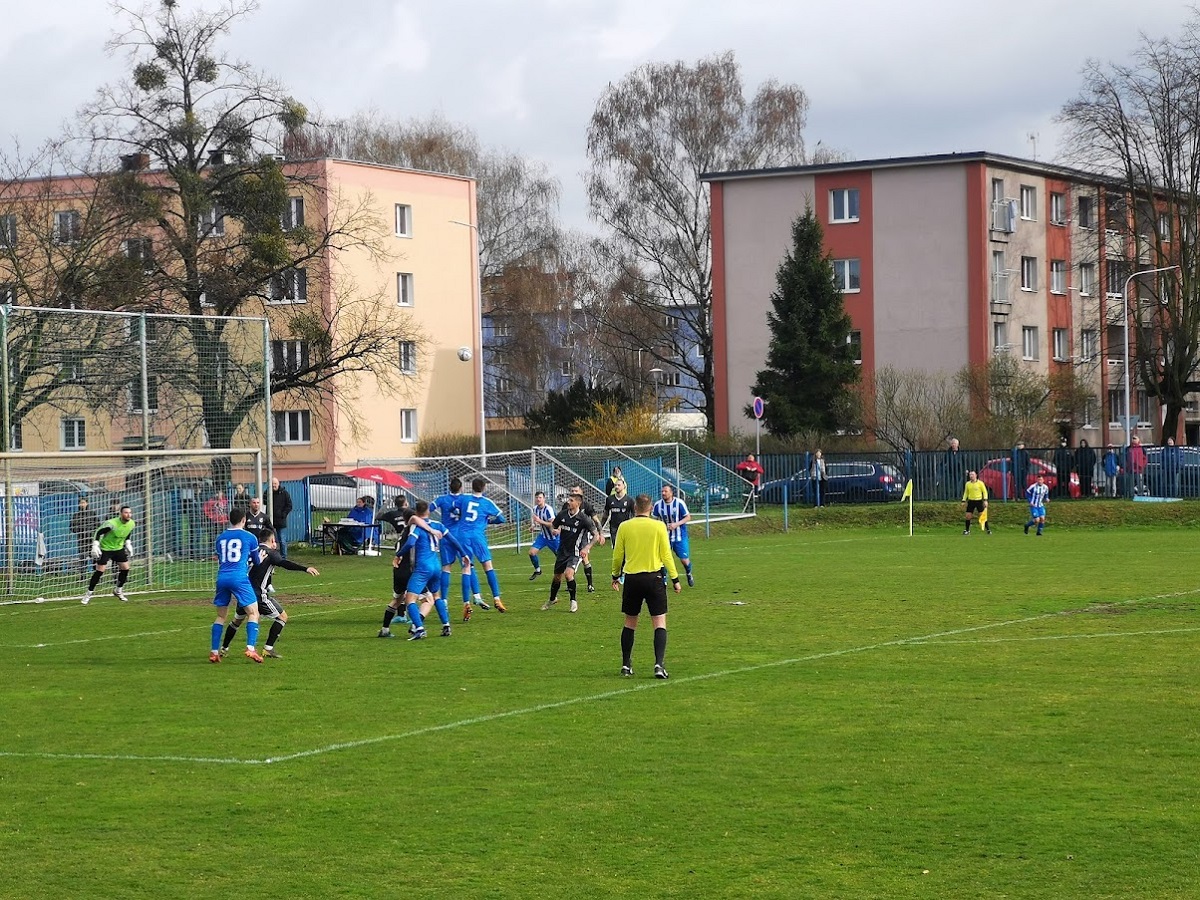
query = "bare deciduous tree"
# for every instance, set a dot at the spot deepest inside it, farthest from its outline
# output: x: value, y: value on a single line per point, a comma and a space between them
x: 908, y: 409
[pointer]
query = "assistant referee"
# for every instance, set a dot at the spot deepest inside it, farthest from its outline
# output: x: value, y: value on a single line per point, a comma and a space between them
x: 642, y: 551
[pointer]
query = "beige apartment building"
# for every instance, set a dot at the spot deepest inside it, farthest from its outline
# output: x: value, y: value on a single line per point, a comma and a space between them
x: 944, y: 261
x: 423, y: 266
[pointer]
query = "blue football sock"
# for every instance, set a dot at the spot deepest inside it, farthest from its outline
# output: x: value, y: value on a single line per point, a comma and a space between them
x: 474, y: 583
x: 414, y: 615
x: 443, y: 613
x: 217, y: 630
x: 251, y: 634
x: 466, y: 586
x: 537, y: 563
x: 493, y: 582
x: 445, y: 591
x: 688, y: 568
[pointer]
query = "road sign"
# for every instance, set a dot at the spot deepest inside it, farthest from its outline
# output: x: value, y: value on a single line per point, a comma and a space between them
x: 758, y: 407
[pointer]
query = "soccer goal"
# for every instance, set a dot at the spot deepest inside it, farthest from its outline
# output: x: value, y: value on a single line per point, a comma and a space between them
x: 52, y: 503
x: 713, y: 493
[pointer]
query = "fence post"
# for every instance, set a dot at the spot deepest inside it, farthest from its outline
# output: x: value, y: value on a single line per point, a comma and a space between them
x: 785, y: 507
x: 10, y: 545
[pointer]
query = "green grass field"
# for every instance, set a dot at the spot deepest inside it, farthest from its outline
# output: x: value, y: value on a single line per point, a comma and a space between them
x: 851, y: 713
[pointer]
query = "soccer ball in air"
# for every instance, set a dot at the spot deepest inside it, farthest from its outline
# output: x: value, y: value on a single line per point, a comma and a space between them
x: 464, y: 353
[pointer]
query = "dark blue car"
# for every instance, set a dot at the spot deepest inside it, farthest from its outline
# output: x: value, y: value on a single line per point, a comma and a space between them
x: 857, y: 481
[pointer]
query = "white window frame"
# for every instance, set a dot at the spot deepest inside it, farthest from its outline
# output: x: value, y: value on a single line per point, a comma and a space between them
x: 1028, y: 203
x: 289, y: 355
x: 1058, y: 208
x: 1089, y: 412
x: 1062, y: 341
x: 1029, y: 273
x: 1030, y: 349
x: 567, y: 369
x: 293, y: 426
x: 72, y: 433
x: 408, y: 357
x: 1116, y: 406
x: 1089, y: 344
x: 1000, y: 336
x: 140, y: 249
x: 1087, y: 279
x: 844, y: 205
x: 501, y: 328
x: 289, y: 287
x: 68, y: 226
x: 1086, y: 217
x: 293, y: 216
x: 504, y: 384
x: 403, y: 220
x: 670, y: 378
x: 1164, y: 227
x: 847, y: 275
x: 8, y: 230
x: 854, y: 339
x: 1058, y: 276
x: 211, y: 222
x: 16, y: 437
x: 135, y: 394
x: 404, y: 290
x: 408, y: 426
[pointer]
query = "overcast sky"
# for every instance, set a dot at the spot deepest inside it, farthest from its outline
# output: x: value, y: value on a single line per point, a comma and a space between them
x: 884, y: 78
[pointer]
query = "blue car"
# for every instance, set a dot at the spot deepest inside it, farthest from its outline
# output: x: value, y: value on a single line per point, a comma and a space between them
x: 858, y: 481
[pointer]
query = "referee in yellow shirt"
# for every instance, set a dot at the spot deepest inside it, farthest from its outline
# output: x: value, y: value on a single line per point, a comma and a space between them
x: 975, y: 497
x: 642, y: 551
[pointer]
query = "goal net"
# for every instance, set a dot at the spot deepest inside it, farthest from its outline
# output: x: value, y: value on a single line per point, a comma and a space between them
x: 52, y: 503
x: 713, y: 493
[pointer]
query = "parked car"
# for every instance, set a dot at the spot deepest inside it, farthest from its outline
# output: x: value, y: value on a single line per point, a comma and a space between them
x: 337, y: 492
x: 1189, y: 473
x: 64, y: 486
x: 996, y: 471
x: 856, y: 481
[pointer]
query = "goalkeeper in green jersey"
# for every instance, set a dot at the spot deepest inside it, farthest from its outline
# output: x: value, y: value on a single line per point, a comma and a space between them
x: 110, y: 543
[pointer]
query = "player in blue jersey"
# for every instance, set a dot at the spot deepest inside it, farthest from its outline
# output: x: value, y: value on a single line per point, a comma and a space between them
x: 478, y: 512
x: 543, y: 515
x: 449, y: 509
x: 674, y: 514
x: 1036, y: 494
x: 235, y: 547
x: 426, y: 575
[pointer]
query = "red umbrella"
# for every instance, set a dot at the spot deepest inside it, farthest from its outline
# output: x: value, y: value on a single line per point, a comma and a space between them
x: 385, y: 477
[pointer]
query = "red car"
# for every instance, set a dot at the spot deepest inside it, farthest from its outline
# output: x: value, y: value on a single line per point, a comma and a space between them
x: 996, y: 471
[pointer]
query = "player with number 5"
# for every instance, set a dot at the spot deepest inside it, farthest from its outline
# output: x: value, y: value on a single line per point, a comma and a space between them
x: 235, y: 547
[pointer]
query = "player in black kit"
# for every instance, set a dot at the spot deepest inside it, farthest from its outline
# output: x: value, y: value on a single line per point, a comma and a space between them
x: 576, y: 490
x: 575, y: 530
x: 617, y: 508
x: 263, y: 562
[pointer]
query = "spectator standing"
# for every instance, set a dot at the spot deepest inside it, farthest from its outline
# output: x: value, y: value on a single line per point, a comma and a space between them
x: 1020, y: 461
x: 751, y: 470
x: 216, y: 511
x: 1064, y: 462
x: 1112, y: 468
x: 1135, y: 465
x: 240, y: 498
x: 1085, y: 465
x: 816, y: 472
x: 281, y: 506
x: 1172, y: 462
x: 954, y: 470
x: 610, y: 484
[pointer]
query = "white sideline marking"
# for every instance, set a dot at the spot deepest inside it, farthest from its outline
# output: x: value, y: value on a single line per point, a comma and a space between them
x: 1061, y: 637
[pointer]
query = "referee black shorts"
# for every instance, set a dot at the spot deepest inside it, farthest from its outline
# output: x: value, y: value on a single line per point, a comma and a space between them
x: 974, y: 506
x: 644, y: 587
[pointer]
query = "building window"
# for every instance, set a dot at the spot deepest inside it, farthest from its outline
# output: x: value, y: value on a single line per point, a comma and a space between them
x: 404, y: 289
x: 293, y: 216
x: 854, y: 339
x: 843, y: 205
x: 1114, y: 272
x: 568, y: 368
x: 997, y: 189
x: 1116, y: 406
x: 8, y: 294
x: 135, y: 395
x: 1029, y: 273
x: 1087, y: 212
x: 1143, y: 410
x: 504, y: 384
x: 408, y: 426
x: 566, y: 340
x: 1028, y: 202
x: 68, y: 227
x: 670, y: 378
x: 1058, y: 208
x: 140, y: 250
x: 289, y: 356
x: 1087, y: 278
x: 293, y: 427
x: 845, y: 275
x: 8, y: 231
x: 1058, y: 276
x: 1061, y: 345
x: 1029, y: 342
x: 1089, y: 412
x: 211, y: 223
x: 72, y: 365
x: 73, y: 434
x: 403, y: 220
x: 1164, y: 227
x: 1000, y: 336
x: 16, y: 437
x: 289, y: 286
x: 1089, y: 344
x: 501, y: 328
x: 408, y: 357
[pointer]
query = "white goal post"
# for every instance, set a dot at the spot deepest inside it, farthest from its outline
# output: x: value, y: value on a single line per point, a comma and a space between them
x: 50, y: 501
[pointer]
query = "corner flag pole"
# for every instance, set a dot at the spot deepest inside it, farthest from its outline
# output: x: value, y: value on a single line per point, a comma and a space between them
x: 908, y: 495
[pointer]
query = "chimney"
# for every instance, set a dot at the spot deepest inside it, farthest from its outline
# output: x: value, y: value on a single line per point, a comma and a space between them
x: 135, y: 162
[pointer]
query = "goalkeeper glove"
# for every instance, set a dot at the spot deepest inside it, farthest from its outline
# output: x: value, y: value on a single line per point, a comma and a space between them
x: 95, y: 549
x: 129, y: 547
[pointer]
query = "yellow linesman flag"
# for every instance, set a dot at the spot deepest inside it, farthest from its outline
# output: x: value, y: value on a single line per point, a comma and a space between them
x: 983, y: 516
x: 907, y: 491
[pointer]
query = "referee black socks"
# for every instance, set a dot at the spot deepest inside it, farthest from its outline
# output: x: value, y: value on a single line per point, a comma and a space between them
x: 627, y: 634
x: 660, y: 645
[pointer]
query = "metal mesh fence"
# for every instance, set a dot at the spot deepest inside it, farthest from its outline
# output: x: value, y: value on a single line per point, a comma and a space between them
x: 52, y: 504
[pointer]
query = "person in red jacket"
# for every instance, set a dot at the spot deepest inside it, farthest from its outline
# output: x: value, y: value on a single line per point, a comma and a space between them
x: 1135, y: 465
x: 751, y: 469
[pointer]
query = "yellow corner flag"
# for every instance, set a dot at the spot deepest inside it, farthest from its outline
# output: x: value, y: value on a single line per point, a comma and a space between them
x: 983, y: 516
x: 907, y: 491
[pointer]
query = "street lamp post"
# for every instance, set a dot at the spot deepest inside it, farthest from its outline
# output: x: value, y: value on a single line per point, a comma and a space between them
x: 1129, y: 419
x: 479, y: 305
x: 657, y: 373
